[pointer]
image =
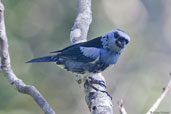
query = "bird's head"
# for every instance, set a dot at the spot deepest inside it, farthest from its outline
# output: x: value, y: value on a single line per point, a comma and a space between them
x: 115, y: 40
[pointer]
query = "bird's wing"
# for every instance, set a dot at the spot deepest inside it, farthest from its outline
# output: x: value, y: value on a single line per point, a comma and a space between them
x: 83, y: 52
x: 97, y: 43
x: 74, y: 45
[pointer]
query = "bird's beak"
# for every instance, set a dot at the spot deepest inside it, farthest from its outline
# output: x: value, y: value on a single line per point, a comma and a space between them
x: 120, y: 43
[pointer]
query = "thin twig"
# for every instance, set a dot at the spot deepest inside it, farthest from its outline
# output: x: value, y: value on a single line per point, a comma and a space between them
x: 98, y: 100
x: 121, y: 107
x: 158, y: 101
x: 10, y: 75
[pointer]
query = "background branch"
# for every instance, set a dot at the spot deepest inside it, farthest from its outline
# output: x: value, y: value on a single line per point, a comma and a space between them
x: 10, y: 75
x: 98, y: 102
x: 161, y: 97
x: 121, y: 107
x: 155, y: 105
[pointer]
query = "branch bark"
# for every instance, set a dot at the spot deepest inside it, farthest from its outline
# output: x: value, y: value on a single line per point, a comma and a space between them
x: 10, y: 75
x: 99, y: 102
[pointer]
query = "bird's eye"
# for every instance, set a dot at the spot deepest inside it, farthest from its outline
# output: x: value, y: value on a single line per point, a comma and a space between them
x: 116, y: 35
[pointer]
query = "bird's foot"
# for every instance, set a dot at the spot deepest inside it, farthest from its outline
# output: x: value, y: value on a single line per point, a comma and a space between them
x: 94, y: 81
x: 79, y: 79
x: 90, y: 81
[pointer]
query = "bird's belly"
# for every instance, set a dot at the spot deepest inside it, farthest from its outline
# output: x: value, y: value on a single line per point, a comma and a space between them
x: 74, y: 67
x: 83, y: 68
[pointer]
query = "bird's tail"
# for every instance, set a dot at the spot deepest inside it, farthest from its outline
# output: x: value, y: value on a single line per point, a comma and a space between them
x: 50, y: 58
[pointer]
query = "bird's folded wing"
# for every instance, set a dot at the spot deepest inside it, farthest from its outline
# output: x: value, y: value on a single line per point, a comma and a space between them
x: 83, y: 52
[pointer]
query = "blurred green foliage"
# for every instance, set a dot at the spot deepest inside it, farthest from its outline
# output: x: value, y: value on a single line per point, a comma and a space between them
x: 36, y: 27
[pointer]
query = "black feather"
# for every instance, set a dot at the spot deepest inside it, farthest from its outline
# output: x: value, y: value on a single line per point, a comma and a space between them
x: 92, y: 43
x: 74, y: 45
x: 72, y: 52
x: 51, y: 58
x: 97, y: 43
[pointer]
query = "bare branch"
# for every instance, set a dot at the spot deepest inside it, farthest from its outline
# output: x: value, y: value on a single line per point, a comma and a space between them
x: 155, y: 105
x: 158, y: 101
x: 9, y: 74
x: 82, y: 22
x: 121, y: 107
x: 99, y: 102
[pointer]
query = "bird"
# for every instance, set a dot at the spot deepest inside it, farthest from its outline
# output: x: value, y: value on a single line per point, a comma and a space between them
x: 89, y: 57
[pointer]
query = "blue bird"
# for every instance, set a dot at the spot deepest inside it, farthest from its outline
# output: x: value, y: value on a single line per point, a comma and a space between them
x: 93, y: 56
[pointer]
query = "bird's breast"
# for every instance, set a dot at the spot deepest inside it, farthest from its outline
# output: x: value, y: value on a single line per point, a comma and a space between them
x: 109, y: 57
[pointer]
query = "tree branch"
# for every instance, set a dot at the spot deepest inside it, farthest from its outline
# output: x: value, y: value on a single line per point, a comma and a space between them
x: 155, y: 105
x: 99, y: 102
x: 161, y: 97
x: 121, y: 107
x: 10, y: 75
x: 82, y: 22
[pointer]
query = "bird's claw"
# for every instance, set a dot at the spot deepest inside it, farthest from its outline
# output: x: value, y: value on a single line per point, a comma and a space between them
x: 90, y: 81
